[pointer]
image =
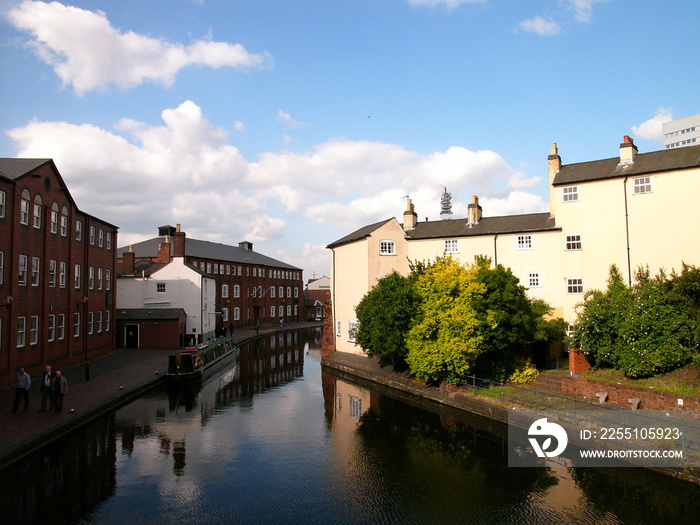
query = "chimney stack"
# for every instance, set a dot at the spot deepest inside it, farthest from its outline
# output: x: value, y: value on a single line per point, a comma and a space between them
x: 164, y: 251
x: 627, y: 150
x: 178, y: 243
x: 473, y: 211
x: 553, y: 162
x: 129, y: 261
x: 410, y: 217
x: 246, y: 245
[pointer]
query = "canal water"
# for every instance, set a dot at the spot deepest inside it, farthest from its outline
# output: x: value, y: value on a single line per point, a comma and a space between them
x: 277, y: 439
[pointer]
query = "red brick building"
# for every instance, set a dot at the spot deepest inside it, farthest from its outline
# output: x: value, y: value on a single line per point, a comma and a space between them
x: 57, y: 271
x: 250, y: 287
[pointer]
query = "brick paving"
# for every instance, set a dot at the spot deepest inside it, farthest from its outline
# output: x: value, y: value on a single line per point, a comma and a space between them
x: 115, y: 379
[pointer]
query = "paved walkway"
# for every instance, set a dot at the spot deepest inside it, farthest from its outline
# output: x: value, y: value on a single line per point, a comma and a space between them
x: 115, y: 379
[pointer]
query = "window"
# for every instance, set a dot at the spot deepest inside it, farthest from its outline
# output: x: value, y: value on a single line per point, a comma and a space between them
x: 106, y: 320
x: 228, y: 269
x: 236, y: 313
x: 24, y: 208
x: 22, y: 279
x: 255, y: 271
x: 77, y: 276
x: 78, y: 230
x: 216, y: 268
x: 101, y: 238
x: 642, y: 185
x: 54, y: 219
x: 33, y: 329
x: 339, y: 329
x: 224, y: 291
x: 208, y: 267
x: 21, y: 331
x: 99, y: 278
x: 569, y: 194
x: 108, y: 244
x: 91, y: 278
x: 36, y: 216
x: 355, y: 407
x: 36, y: 263
x: 524, y: 242
x: 451, y: 245
x: 272, y: 311
x: 573, y: 241
x: 224, y: 315
x: 2, y: 267
x: 90, y: 321
x: 236, y: 291
x: 352, y: 330
x: 99, y: 321
x: 108, y: 280
x: 52, y: 328
x: 61, y: 327
x: 3, y: 203
x: 62, y: 274
x: 64, y: 222
x: 289, y: 310
x: 160, y: 287
x: 296, y: 292
x: 52, y: 273
x: 574, y: 285
x: 92, y: 235
x: 533, y: 280
x: 281, y: 290
x: 76, y: 324
x: 272, y: 291
x: 289, y: 291
x: 240, y: 270
x: 387, y: 248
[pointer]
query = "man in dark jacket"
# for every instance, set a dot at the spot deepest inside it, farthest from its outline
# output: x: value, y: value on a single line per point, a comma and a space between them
x: 46, y: 390
x: 60, y: 386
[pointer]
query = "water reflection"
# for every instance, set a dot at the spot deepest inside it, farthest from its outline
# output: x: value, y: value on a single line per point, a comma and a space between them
x: 275, y: 438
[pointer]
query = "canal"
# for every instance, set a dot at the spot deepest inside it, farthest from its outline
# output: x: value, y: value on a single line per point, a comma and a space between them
x: 275, y: 438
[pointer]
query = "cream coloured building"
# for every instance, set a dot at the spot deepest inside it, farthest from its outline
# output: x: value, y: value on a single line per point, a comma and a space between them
x: 632, y: 210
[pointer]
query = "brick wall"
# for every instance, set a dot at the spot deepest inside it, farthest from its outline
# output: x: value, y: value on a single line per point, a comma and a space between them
x: 578, y: 364
x: 620, y: 394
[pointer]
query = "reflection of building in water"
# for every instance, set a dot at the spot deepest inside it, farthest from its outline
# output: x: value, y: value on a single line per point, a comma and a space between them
x: 345, y: 403
x: 257, y: 366
x: 63, y: 481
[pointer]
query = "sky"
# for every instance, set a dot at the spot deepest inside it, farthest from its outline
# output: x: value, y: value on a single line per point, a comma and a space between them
x: 290, y: 124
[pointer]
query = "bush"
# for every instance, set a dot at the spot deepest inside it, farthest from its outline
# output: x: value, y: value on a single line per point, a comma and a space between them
x: 525, y: 373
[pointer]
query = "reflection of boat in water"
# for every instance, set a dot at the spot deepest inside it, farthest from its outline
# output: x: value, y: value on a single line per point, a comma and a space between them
x: 196, y: 364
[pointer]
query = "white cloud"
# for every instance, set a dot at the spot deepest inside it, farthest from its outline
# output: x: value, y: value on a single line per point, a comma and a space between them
x: 583, y: 9
x: 287, y: 120
x: 541, y: 26
x: 652, y: 129
x: 88, y: 53
x: 448, y: 4
x: 184, y: 170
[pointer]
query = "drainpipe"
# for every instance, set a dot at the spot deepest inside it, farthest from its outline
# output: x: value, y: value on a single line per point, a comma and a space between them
x: 627, y: 234
x: 495, y: 251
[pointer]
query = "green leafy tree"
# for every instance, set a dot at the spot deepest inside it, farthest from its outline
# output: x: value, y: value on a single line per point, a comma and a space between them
x: 384, y: 315
x: 446, y: 338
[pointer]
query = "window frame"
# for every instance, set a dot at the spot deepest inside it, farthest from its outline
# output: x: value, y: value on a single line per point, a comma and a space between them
x: 641, y: 185
x: 573, y: 242
x: 569, y: 194
x: 524, y: 242
x: 387, y: 247
x: 533, y: 280
x: 451, y: 246
x: 574, y: 285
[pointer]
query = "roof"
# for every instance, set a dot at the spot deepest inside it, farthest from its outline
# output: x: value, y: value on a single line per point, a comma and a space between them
x: 363, y: 232
x: 207, y: 250
x: 532, y: 222
x: 156, y: 314
x: 14, y: 169
x: 146, y: 268
x: 644, y: 164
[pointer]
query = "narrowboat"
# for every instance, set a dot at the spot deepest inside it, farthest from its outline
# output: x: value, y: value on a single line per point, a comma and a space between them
x: 198, y: 363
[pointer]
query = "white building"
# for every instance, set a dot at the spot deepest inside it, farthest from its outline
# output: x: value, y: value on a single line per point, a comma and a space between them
x: 682, y: 132
x: 172, y: 285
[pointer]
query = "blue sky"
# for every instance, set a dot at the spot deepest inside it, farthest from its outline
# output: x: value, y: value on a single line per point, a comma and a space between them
x: 292, y: 123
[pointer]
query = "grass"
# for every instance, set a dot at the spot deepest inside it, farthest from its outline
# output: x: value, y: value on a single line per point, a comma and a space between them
x: 685, y: 381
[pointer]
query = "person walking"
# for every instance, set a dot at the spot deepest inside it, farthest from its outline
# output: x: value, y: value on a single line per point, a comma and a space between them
x: 22, y: 390
x: 60, y: 386
x: 46, y: 390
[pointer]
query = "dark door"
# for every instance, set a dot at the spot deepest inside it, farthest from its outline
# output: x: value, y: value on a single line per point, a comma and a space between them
x: 131, y: 336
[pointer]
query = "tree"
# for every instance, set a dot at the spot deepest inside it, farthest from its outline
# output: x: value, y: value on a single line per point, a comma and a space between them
x: 445, y: 340
x: 384, y: 315
x: 644, y: 330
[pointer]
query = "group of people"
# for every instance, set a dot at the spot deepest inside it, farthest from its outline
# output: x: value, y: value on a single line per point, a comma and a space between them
x: 53, y: 389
